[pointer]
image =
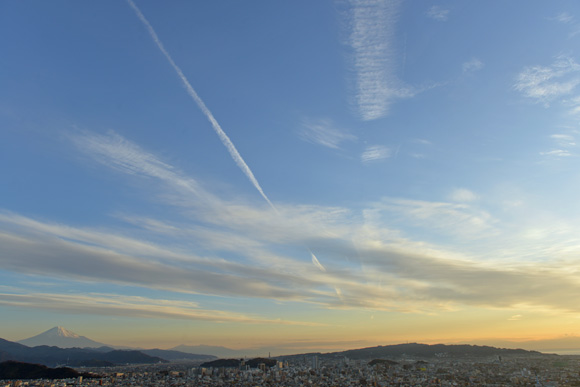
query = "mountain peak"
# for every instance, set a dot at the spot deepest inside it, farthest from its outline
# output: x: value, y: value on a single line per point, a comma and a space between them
x: 61, y: 332
x: 60, y: 337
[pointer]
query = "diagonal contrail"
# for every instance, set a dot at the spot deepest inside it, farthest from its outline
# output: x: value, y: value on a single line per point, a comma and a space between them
x: 216, y: 126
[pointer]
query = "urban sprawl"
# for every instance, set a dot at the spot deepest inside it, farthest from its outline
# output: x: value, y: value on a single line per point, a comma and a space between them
x: 315, y: 371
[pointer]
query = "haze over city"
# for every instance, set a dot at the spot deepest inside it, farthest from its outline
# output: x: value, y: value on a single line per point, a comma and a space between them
x: 298, y: 176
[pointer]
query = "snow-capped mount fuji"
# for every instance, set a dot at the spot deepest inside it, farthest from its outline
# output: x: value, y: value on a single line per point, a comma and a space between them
x: 61, y: 337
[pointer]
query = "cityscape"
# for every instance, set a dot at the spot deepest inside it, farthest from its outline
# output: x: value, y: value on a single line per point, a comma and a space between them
x: 395, y: 365
x: 468, y: 372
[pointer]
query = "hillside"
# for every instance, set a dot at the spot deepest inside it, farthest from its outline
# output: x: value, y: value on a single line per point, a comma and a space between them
x: 74, y: 357
x: 19, y: 370
x: 422, y: 351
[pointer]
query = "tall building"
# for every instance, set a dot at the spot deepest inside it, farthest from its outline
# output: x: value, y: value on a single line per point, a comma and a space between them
x: 315, y: 362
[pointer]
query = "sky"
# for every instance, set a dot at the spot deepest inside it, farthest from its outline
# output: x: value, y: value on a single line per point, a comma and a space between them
x: 294, y: 175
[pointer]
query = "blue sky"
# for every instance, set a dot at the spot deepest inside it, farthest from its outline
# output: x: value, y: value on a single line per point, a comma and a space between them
x: 328, y: 174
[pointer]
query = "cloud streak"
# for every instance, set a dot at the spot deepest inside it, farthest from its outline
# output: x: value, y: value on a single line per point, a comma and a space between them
x: 128, y: 306
x: 472, y: 65
x: 375, y: 153
x: 126, y: 157
x: 324, y: 132
x: 563, y: 17
x: 249, y: 251
x: 372, y: 56
x: 547, y: 83
x: 205, y: 110
x: 438, y: 13
x: 394, y: 273
x: 463, y: 195
x: 568, y: 19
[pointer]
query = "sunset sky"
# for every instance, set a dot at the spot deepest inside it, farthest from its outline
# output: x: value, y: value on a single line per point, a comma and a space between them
x: 297, y: 175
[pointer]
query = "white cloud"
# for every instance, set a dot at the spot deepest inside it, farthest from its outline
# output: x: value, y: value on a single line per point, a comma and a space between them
x: 564, y: 140
x: 236, y: 249
x: 557, y: 153
x: 574, y: 104
x: 419, y: 154
x: 438, y: 13
x: 563, y: 17
x: 129, y: 306
x: 76, y: 260
x: 459, y: 220
x: 371, y: 39
x: 472, y: 65
x: 564, y: 146
x: 545, y: 84
x: 568, y: 19
x: 463, y: 195
x: 416, y: 276
x: 422, y: 141
x: 325, y: 133
x: 375, y: 153
x: 116, y: 152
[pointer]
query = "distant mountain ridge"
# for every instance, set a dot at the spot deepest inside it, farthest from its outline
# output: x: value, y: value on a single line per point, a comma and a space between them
x: 171, y: 355
x: 221, y: 352
x: 434, y: 350
x: 54, y: 341
x: 62, y: 338
x: 90, y: 357
x: 74, y: 357
x: 416, y: 350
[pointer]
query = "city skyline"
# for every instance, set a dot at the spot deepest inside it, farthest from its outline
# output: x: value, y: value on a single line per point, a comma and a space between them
x: 302, y: 176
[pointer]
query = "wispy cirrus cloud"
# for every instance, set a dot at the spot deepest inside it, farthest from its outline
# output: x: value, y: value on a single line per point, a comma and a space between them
x: 77, y: 260
x: 569, y: 20
x: 557, y: 153
x: 547, y: 83
x: 130, y: 306
x: 422, y: 141
x: 371, y: 40
x: 453, y: 219
x: 375, y: 153
x: 366, y: 253
x: 564, y: 140
x: 463, y: 195
x: 563, y: 17
x: 438, y: 13
x: 564, y: 146
x: 414, y: 280
x: 325, y: 133
x: 114, y: 151
x: 472, y: 65
x: 574, y: 105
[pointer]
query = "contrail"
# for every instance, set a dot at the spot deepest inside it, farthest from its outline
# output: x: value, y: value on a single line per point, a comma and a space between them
x: 216, y: 126
x: 316, y: 262
x: 319, y: 265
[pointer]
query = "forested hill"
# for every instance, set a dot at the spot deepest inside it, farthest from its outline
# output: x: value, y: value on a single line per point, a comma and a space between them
x: 19, y: 370
x: 422, y: 351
